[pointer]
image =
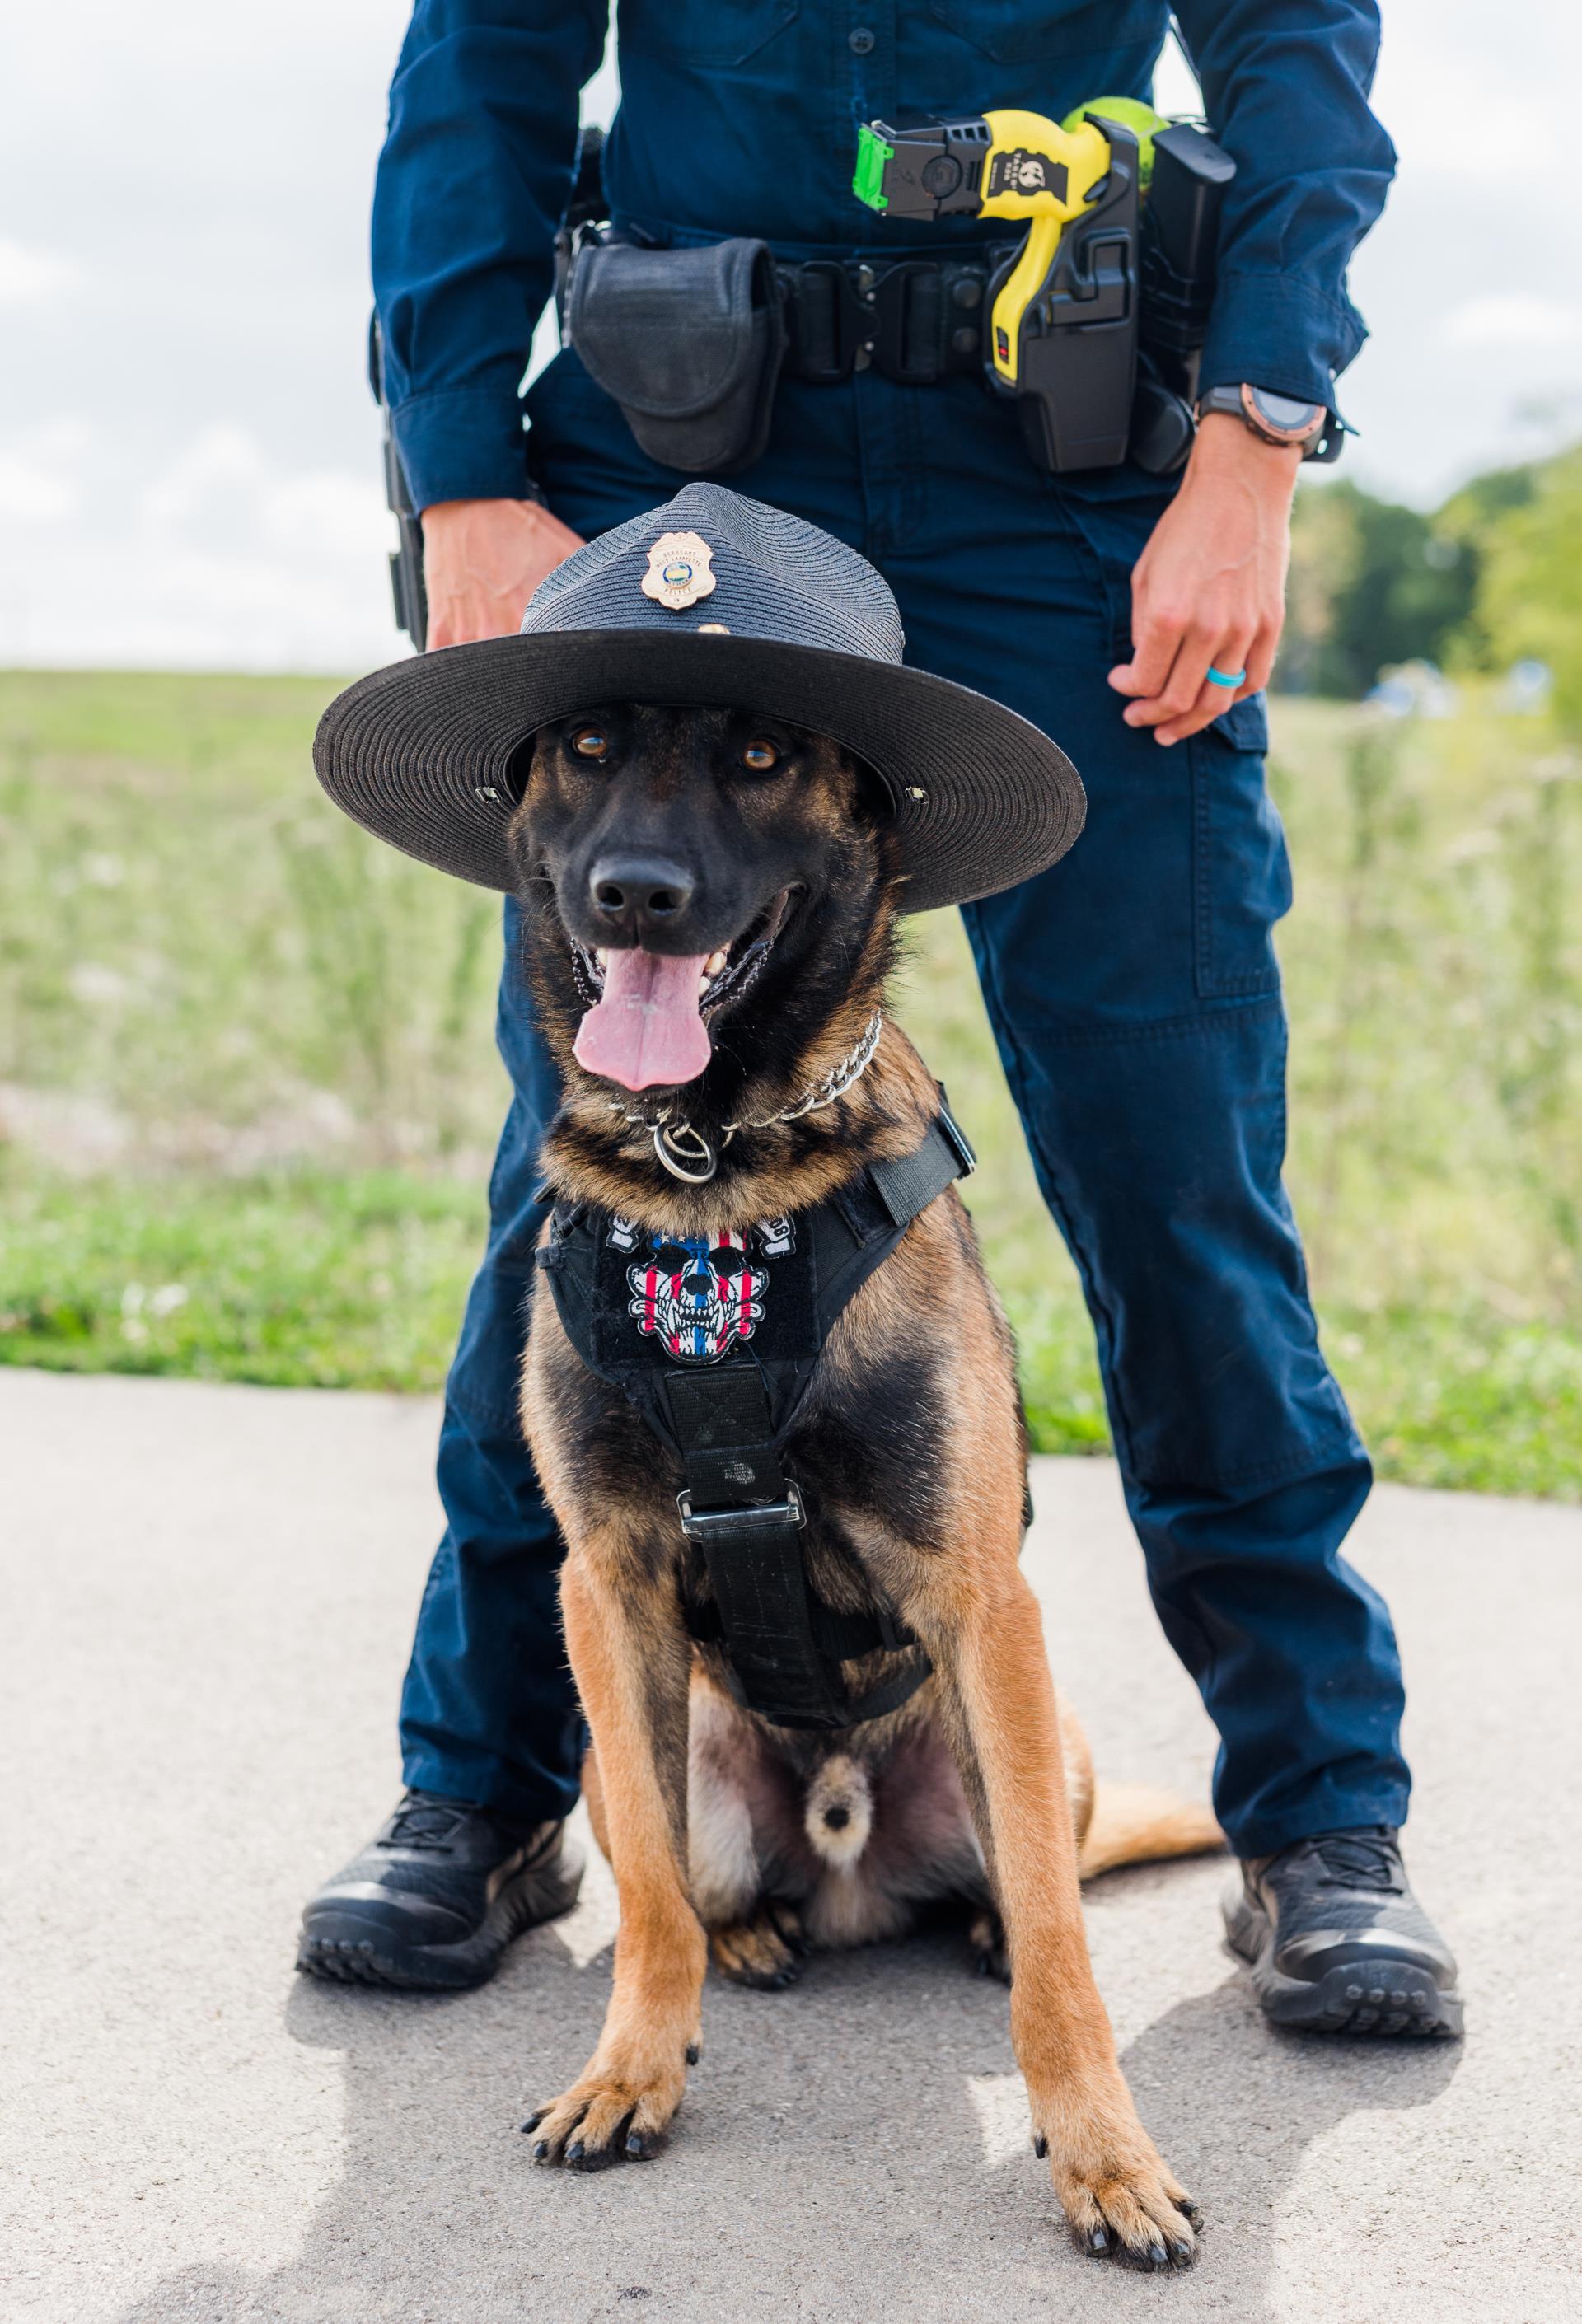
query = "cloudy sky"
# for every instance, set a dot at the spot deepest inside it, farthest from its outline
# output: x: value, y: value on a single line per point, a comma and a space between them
x: 188, y: 457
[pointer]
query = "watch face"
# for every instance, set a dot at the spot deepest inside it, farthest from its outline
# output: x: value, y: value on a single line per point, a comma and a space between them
x: 1284, y: 415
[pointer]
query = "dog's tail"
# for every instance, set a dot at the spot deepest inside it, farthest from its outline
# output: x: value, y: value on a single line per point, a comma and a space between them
x: 1135, y: 1824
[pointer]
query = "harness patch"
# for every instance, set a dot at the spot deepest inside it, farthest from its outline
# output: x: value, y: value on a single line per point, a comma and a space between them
x: 698, y: 1296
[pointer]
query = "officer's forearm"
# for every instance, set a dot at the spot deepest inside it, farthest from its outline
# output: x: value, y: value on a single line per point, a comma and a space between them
x: 1208, y: 591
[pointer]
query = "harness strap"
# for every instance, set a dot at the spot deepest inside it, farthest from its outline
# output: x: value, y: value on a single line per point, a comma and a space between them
x: 783, y: 1645
x: 728, y: 1420
x: 907, y: 1186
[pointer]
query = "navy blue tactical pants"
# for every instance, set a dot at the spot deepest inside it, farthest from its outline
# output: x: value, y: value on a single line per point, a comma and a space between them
x: 1135, y: 999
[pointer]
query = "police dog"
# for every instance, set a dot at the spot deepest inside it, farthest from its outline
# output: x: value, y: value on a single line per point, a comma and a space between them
x: 709, y: 916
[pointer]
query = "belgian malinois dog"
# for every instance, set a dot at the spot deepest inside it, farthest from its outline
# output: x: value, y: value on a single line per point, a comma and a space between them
x: 709, y: 912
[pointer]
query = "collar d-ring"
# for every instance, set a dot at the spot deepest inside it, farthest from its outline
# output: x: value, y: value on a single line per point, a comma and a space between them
x: 683, y: 1144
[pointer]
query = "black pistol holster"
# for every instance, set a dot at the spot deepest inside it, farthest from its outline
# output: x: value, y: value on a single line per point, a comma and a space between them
x: 720, y: 1378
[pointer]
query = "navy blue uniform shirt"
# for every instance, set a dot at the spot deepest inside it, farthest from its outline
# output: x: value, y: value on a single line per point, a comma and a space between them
x: 740, y: 116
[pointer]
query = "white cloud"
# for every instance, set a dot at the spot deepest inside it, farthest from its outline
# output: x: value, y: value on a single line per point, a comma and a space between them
x: 1456, y: 89
x: 28, y: 274
x: 222, y: 461
x: 30, y: 495
x: 225, y: 558
x: 39, y: 479
x: 1513, y: 319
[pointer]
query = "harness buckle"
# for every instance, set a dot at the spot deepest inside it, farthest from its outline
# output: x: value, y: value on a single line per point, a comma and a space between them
x: 707, y: 1524
x: 955, y: 1137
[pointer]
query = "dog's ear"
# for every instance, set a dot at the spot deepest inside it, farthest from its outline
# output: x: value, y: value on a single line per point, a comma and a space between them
x: 869, y: 788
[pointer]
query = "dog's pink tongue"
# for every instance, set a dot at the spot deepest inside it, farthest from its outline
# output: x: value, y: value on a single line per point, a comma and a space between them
x: 646, y: 1028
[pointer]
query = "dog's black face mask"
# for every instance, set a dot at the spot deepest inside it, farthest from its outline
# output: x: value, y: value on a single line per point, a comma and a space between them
x: 696, y: 860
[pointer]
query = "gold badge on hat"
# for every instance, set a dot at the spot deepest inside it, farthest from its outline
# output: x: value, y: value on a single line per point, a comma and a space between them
x: 680, y: 570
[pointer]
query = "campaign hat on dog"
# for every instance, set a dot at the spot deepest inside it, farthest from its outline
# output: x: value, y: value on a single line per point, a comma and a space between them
x: 713, y: 601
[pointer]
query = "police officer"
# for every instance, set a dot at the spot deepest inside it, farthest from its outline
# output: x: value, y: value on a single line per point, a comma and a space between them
x: 1133, y: 989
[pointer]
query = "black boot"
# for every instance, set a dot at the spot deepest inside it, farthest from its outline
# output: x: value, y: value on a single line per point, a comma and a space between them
x: 1337, y: 1941
x: 435, y: 1898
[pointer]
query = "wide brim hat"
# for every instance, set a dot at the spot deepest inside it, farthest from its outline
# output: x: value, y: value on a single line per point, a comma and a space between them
x: 713, y: 601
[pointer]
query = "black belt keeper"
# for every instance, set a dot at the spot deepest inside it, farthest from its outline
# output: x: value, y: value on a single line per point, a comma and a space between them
x: 911, y: 319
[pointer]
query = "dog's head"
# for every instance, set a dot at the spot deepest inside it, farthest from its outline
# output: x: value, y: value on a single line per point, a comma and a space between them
x: 698, y: 881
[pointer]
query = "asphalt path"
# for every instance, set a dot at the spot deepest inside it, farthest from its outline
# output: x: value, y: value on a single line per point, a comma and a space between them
x: 208, y: 1598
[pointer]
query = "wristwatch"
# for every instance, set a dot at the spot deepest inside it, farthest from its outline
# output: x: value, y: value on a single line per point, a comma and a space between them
x: 1277, y: 418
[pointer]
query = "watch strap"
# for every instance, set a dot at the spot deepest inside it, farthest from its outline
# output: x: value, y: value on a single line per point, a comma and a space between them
x: 1275, y: 419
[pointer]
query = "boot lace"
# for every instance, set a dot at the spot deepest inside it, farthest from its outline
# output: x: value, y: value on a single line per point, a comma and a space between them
x: 426, y: 1823
x: 1356, y: 1859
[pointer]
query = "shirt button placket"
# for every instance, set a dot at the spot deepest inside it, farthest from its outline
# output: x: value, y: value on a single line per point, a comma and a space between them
x: 871, y: 42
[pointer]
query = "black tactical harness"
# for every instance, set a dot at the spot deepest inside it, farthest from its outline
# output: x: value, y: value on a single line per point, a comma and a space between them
x: 723, y: 1391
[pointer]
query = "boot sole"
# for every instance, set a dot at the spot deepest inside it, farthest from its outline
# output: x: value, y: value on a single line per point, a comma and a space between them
x: 361, y: 1952
x: 1384, y: 1999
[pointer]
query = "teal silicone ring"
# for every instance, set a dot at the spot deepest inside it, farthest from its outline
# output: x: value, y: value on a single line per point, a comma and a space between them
x: 1219, y: 678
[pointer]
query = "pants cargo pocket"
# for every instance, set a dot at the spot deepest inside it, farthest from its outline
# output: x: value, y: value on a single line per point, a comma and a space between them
x: 1241, y: 874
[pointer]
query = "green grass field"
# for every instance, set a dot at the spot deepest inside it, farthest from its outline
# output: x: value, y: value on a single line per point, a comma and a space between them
x: 248, y: 1094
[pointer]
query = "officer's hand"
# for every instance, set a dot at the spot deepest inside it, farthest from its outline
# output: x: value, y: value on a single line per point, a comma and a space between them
x: 1209, y: 588
x: 482, y: 560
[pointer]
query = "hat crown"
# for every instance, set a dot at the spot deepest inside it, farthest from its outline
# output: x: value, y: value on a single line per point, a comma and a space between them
x: 770, y: 575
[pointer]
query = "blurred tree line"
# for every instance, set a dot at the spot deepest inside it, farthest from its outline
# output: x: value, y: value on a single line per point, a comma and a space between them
x: 1492, y: 577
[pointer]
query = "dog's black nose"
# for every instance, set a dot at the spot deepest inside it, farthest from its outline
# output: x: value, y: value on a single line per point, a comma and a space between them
x: 837, y: 1818
x: 639, y: 894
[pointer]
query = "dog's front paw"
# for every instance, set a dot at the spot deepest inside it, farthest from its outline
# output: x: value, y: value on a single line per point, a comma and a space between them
x: 1121, y: 2200
x: 619, y: 2112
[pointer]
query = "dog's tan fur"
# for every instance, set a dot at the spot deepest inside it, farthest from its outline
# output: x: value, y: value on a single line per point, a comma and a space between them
x: 661, y: 1719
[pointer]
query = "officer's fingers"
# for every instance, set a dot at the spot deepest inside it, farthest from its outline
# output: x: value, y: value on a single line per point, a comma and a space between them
x: 1156, y: 638
x: 1260, y: 656
x: 1211, y: 701
x: 465, y: 617
x: 1181, y: 689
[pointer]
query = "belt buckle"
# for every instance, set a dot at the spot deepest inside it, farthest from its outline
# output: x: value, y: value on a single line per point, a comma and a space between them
x: 848, y: 316
x: 887, y: 303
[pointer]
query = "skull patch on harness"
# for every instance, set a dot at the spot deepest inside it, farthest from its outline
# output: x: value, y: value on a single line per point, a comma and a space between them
x: 696, y: 1295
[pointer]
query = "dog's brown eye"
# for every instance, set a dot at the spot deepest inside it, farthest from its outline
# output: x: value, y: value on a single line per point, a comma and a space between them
x: 759, y: 756
x: 591, y: 743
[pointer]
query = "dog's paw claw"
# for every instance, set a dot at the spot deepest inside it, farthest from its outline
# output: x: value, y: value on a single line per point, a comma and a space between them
x: 609, y: 2115
x: 1121, y: 2202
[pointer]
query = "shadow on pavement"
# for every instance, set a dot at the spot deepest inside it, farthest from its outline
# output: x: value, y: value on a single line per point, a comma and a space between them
x: 1238, y: 2106
x: 829, y: 2163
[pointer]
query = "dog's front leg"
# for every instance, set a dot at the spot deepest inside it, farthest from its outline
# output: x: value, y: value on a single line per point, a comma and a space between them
x: 632, y: 1660
x: 999, y: 1705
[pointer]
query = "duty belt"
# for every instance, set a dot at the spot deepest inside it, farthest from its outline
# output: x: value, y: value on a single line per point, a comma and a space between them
x: 913, y: 319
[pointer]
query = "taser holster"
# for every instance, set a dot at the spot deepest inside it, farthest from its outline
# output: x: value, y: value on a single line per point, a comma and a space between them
x: 690, y: 343
x: 1078, y: 356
